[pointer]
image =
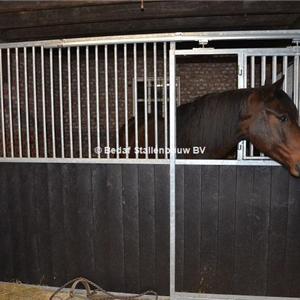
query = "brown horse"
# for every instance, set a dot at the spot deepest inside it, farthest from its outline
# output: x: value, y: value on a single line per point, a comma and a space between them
x: 265, y: 116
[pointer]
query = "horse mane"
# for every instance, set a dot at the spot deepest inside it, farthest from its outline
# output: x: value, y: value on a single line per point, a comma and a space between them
x: 211, y: 120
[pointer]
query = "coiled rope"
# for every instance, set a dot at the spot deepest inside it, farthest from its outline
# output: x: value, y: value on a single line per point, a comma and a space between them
x: 95, y: 292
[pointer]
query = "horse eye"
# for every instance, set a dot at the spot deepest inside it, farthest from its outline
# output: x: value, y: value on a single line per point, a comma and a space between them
x: 283, y: 118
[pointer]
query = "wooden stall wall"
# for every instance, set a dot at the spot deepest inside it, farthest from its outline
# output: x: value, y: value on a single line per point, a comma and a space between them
x: 237, y: 227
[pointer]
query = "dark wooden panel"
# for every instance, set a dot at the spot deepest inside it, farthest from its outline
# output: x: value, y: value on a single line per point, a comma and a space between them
x: 226, y: 232
x: 243, y: 279
x: 6, y: 237
x: 209, y: 228
x: 131, y: 227
x: 57, y: 224
x: 147, y: 226
x: 192, y: 227
x: 115, y: 251
x: 277, y: 283
x: 179, y: 228
x: 162, y: 228
x: 293, y: 240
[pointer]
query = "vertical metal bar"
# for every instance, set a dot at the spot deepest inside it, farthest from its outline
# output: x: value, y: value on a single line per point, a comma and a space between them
x: 43, y: 102
x: 10, y: 105
x: 166, y: 99
x: 26, y: 103
x: 18, y: 102
x: 79, y: 102
x: 285, y: 73
x: 274, y: 68
x: 172, y: 66
x: 135, y: 98
x: 296, y: 80
x: 97, y: 99
x: 145, y: 99
x: 2, y: 107
x: 155, y: 98
x: 70, y: 103
x: 126, y: 98
x: 252, y: 68
x: 61, y: 105
x: 116, y: 97
x: 87, y: 66
x: 36, y: 136
x: 52, y: 105
x: 106, y: 99
x: 263, y: 70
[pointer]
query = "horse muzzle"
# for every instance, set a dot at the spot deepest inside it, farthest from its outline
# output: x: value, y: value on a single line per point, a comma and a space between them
x: 295, y: 170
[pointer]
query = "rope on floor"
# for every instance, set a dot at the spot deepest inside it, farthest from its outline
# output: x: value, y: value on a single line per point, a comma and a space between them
x: 95, y: 292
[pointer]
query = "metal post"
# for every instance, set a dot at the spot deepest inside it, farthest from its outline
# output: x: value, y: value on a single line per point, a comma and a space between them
x: 166, y: 99
x: 61, y: 105
x: 296, y: 80
x: 36, y: 136
x: 2, y: 107
x: 79, y: 102
x: 70, y: 104
x: 116, y: 97
x: 155, y: 98
x: 172, y: 65
x: 146, y: 99
x: 26, y: 103
x: 88, y: 117
x: 18, y: 102
x: 106, y: 98
x: 135, y: 98
x: 11, y: 133
x: 43, y: 102
x: 52, y: 105
x: 126, y: 98
x: 97, y: 99
x: 285, y: 67
x: 274, y: 68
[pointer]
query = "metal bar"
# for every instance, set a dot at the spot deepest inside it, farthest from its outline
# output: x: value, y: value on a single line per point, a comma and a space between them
x: 97, y: 98
x: 145, y: 99
x: 26, y: 103
x: 52, y: 105
x: 135, y: 98
x: 252, y: 68
x: 106, y: 98
x: 155, y: 98
x: 172, y: 75
x: 116, y: 97
x: 36, y: 136
x: 274, y: 68
x: 70, y: 103
x: 296, y: 80
x: 285, y: 73
x: 264, y: 161
x: 61, y: 105
x: 79, y: 102
x: 43, y: 102
x: 11, y: 134
x: 126, y: 98
x: 2, y: 107
x: 88, y: 109
x: 263, y: 70
x: 165, y: 99
x: 18, y: 102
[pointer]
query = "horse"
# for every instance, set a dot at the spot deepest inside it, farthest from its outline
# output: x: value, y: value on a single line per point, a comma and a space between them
x: 265, y: 116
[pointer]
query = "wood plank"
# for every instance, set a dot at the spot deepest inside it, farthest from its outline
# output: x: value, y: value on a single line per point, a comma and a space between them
x: 192, y: 227
x: 243, y: 271
x: 115, y: 249
x: 6, y: 249
x: 277, y: 279
x: 131, y: 227
x: 147, y: 227
x: 276, y: 21
x: 85, y: 221
x: 57, y: 227
x: 42, y: 221
x: 209, y: 229
x: 162, y: 228
x: 100, y: 215
x: 179, y: 227
x: 260, y: 229
x: 293, y: 240
x: 226, y: 232
x: 132, y: 11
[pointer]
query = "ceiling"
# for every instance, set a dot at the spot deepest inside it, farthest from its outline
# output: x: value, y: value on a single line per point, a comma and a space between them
x: 37, y: 20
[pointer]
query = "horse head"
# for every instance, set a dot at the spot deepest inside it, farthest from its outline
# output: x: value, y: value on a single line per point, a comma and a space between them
x: 270, y: 123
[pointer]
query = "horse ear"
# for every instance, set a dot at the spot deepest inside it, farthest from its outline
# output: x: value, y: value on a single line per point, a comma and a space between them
x: 276, y: 86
